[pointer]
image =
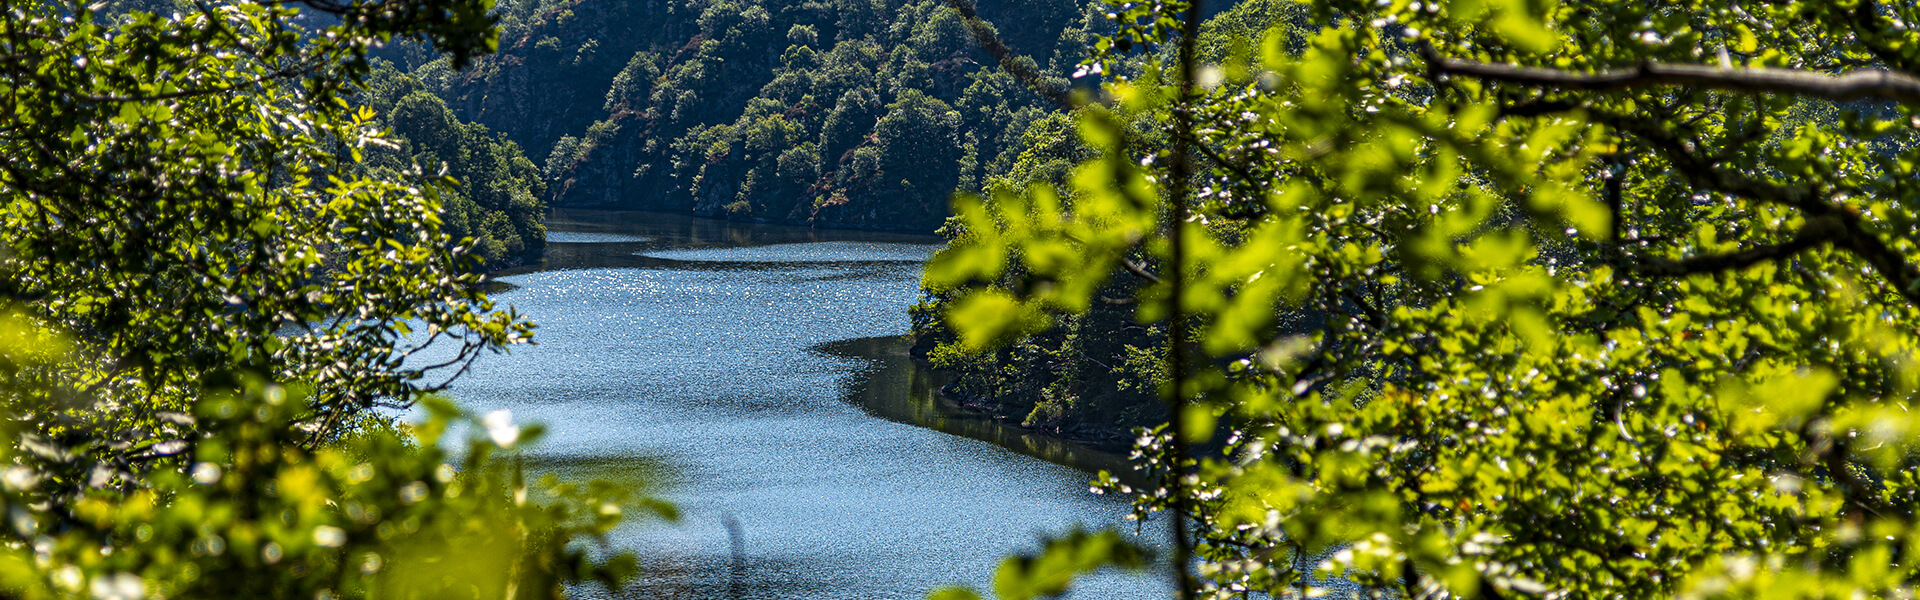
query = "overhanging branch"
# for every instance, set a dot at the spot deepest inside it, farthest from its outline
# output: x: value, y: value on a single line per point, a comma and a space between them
x: 1868, y: 84
x: 1840, y: 225
x: 1815, y: 233
x: 1709, y: 172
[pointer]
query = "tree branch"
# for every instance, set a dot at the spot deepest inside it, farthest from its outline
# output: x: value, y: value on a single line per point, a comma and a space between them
x: 1139, y: 271
x: 1536, y: 108
x: 1867, y: 84
x: 1223, y: 161
x: 1815, y: 233
x: 1852, y: 231
x: 1900, y: 273
x: 1711, y: 175
x: 1616, y: 172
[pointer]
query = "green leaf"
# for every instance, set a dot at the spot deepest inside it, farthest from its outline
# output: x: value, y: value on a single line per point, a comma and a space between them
x: 985, y: 319
x: 1060, y: 561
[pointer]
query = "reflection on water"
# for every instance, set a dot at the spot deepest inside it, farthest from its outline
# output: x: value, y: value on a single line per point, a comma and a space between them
x: 664, y: 232
x: 815, y: 252
x: 714, y: 381
x: 585, y: 237
x: 896, y: 388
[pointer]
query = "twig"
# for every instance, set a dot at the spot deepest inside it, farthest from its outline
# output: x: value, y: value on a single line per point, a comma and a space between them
x: 1186, y: 586
x: 1138, y: 271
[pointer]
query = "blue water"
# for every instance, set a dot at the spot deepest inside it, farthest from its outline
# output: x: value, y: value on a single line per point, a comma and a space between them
x: 686, y: 363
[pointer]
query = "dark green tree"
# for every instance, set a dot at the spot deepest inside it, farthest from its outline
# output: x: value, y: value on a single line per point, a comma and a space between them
x: 188, y: 217
x: 497, y: 197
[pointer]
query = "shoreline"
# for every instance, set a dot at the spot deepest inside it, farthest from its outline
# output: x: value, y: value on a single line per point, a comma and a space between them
x: 899, y: 388
x: 1083, y: 434
x: 896, y: 387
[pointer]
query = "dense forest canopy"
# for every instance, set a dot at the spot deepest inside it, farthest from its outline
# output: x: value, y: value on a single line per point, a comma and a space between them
x: 497, y: 197
x: 1490, y: 299
x: 843, y: 114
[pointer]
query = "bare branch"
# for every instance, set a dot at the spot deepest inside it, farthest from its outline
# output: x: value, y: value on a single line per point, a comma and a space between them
x: 1139, y: 271
x: 1616, y: 173
x: 1537, y: 108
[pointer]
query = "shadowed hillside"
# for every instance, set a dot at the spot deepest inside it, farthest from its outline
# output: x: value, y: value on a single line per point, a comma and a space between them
x: 843, y: 114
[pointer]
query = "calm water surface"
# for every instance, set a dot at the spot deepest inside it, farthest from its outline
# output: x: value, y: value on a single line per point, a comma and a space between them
x: 756, y: 373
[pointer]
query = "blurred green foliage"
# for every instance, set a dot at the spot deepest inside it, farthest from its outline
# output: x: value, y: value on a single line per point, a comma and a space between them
x: 1467, y: 323
x: 1095, y: 375
x: 190, y: 215
x: 1050, y: 572
x: 252, y: 513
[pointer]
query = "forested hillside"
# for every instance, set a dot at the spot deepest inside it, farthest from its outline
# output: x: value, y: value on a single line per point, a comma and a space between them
x: 846, y: 113
x: 499, y: 196
x: 498, y: 199
x: 1094, y: 375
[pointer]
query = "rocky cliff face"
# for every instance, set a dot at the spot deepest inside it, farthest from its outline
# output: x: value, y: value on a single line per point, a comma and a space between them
x: 845, y: 113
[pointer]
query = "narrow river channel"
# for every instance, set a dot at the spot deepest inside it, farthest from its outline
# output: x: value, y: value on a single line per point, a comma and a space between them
x: 756, y: 373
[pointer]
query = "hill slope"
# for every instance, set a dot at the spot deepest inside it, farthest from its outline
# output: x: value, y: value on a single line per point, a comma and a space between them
x: 842, y: 113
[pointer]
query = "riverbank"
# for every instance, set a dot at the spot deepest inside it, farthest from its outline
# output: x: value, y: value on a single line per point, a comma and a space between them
x: 904, y: 390
x: 1110, y: 439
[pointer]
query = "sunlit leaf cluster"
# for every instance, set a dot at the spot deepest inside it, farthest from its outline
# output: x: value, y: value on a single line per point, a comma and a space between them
x: 1490, y: 307
x: 180, y: 194
x: 204, y: 298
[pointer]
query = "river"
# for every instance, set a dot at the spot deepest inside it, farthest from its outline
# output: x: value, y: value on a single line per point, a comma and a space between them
x: 756, y: 373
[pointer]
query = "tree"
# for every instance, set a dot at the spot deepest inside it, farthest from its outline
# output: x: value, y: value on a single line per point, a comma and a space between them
x: 918, y: 141
x: 204, y: 295
x: 496, y: 199
x: 183, y: 212
x: 1503, y: 298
